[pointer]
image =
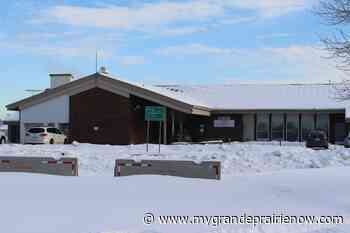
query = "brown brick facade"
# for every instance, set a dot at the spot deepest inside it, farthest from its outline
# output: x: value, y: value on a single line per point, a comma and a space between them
x: 101, y: 117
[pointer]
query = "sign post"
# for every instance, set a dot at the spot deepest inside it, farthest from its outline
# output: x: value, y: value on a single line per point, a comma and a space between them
x: 155, y: 113
x: 147, y: 136
x: 160, y: 135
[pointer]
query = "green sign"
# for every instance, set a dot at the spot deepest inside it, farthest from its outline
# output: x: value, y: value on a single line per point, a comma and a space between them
x: 153, y: 113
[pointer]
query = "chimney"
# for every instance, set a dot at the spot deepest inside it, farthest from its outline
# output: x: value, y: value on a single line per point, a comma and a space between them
x: 57, y: 80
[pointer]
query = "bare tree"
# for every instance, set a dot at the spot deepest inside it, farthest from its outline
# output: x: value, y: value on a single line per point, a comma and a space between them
x: 341, y: 91
x: 336, y: 13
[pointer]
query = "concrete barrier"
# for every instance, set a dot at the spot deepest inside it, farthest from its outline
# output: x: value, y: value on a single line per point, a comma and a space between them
x: 44, y: 165
x: 189, y: 169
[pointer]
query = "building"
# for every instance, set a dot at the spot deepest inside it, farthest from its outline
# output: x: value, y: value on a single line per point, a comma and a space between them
x: 105, y: 110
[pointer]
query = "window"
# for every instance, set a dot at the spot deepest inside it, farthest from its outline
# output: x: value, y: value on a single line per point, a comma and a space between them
x: 248, y: 127
x: 277, y: 123
x: 51, y: 130
x: 292, y: 127
x: 322, y: 122
x: 29, y: 126
x: 318, y: 134
x: 57, y: 131
x: 262, y: 127
x: 36, y: 130
x: 307, y: 124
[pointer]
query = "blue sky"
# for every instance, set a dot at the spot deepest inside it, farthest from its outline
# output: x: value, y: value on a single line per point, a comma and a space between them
x: 168, y: 42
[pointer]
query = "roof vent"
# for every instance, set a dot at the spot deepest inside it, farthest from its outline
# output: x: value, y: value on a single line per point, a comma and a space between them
x: 103, y: 70
x: 60, y: 79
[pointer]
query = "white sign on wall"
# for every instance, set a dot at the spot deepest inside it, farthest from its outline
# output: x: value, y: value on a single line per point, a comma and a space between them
x: 224, y: 123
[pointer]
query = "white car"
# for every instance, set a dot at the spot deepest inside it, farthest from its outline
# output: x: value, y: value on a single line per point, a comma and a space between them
x: 45, y: 135
x: 3, y: 137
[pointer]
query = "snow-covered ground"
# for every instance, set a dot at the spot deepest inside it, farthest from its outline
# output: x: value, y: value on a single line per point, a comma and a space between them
x: 236, y: 158
x: 258, y: 179
x: 53, y: 204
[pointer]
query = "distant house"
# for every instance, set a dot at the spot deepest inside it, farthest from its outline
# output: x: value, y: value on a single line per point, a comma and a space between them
x: 105, y: 110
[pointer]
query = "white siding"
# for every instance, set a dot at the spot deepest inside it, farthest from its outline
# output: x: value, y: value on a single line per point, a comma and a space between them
x: 53, y: 111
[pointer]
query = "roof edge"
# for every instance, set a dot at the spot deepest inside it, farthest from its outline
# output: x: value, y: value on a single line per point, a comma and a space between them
x: 221, y: 111
x: 16, y: 106
x: 130, y: 87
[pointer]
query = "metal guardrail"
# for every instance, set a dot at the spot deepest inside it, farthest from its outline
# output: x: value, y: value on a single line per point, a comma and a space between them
x: 43, y: 165
x: 189, y: 169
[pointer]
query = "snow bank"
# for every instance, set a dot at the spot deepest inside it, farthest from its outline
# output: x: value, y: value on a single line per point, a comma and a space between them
x: 100, y: 203
x: 236, y: 158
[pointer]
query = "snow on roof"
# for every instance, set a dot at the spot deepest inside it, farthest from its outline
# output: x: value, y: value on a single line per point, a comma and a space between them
x: 262, y: 96
x: 251, y: 96
x: 240, y: 97
x: 254, y: 96
x: 180, y: 96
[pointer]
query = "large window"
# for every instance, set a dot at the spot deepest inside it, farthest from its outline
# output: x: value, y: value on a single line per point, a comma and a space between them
x: 262, y: 127
x: 277, y: 123
x: 292, y: 127
x: 322, y: 122
x: 307, y: 124
x: 248, y: 127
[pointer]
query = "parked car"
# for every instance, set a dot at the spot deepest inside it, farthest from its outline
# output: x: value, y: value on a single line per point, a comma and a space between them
x: 347, y: 141
x: 317, y: 139
x: 3, y: 137
x: 45, y: 135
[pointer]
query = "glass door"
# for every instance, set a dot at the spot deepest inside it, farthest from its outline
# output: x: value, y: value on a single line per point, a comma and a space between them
x: 292, y: 127
x: 263, y: 127
x: 277, y: 125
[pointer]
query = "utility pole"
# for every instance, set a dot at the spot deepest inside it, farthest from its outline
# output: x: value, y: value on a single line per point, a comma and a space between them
x: 96, y: 58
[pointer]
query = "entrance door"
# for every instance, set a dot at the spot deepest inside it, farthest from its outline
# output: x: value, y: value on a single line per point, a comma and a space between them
x: 292, y: 127
x: 263, y: 127
x: 248, y: 127
x: 339, y: 132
